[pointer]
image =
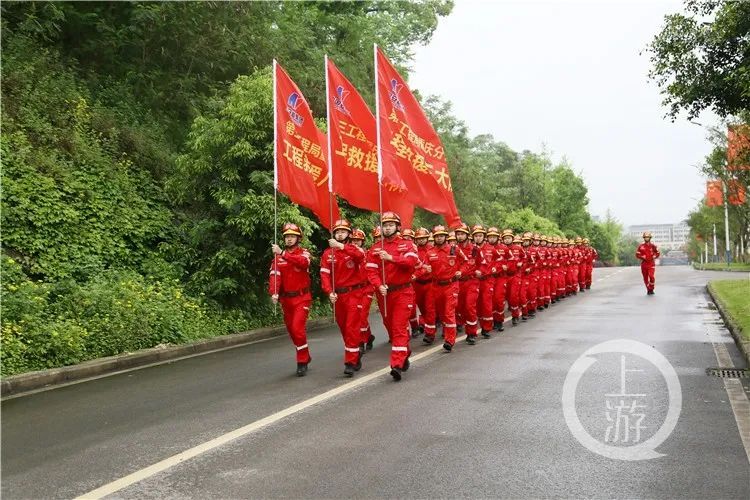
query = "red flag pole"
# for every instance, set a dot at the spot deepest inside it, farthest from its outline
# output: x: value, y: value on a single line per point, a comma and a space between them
x: 380, y: 171
x: 275, y: 185
x: 330, y: 180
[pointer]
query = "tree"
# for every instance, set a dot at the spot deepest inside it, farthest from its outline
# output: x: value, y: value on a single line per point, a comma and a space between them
x: 569, y: 201
x: 701, y: 59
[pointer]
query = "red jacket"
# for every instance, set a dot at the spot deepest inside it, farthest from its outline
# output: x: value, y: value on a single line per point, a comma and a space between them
x: 647, y: 252
x: 290, y: 272
x: 446, y: 261
x: 488, y: 265
x: 519, y: 258
x: 473, y: 259
x: 346, y: 265
x: 397, y: 272
x: 421, y: 273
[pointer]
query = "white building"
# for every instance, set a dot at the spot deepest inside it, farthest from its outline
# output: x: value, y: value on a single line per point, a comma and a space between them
x: 665, y: 236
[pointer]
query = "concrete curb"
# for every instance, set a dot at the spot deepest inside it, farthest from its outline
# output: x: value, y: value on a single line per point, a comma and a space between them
x: 732, y: 326
x: 723, y: 270
x: 25, y: 382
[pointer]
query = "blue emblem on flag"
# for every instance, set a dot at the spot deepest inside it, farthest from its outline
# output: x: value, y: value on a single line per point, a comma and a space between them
x: 291, y: 107
x: 339, y: 98
x: 393, y: 94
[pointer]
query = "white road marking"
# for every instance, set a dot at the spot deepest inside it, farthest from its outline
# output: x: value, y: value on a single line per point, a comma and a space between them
x: 737, y: 397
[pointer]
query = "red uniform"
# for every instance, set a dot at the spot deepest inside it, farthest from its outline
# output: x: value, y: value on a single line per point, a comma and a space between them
x: 648, y: 253
x: 505, y: 266
x: 533, y: 279
x: 399, y: 300
x: 487, y: 280
x: 543, y: 283
x: 445, y: 261
x: 593, y: 255
x: 468, y: 288
x: 515, y: 282
x: 290, y: 280
x: 423, y: 291
x: 344, y: 267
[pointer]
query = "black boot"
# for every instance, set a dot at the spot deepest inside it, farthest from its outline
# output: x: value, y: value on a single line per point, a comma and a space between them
x: 540, y: 308
x: 471, y: 339
x: 428, y: 340
x: 514, y: 320
x: 358, y: 366
x: 348, y: 370
x: 361, y: 349
x: 500, y: 326
x: 588, y: 287
x: 485, y: 334
x: 407, y: 364
x: 447, y: 347
x: 301, y: 369
x: 460, y: 329
x: 370, y: 341
x: 524, y: 318
x: 396, y: 374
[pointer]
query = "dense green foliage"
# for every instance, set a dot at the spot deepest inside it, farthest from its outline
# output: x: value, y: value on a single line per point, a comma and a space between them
x: 137, y: 164
x: 732, y: 296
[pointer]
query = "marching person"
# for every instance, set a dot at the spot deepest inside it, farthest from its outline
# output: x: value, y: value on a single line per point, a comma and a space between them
x: 647, y: 253
x: 593, y: 255
x: 526, y: 282
x: 395, y: 259
x: 468, y: 284
x: 416, y: 329
x: 505, y: 267
x: 377, y: 235
x: 289, y: 284
x: 445, y: 261
x: 515, y: 273
x: 487, y: 277
x: 366, y: 337
x: 423, y: 285
x: 341, y: 280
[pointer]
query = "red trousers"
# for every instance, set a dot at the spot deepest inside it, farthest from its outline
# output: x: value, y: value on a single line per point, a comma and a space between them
x: 589, y: 274
x: 500, y: 295
x: 582, y: 269
x: 348, y: 314
x: 571, y: 283
x: 515, y: 284
x: 426, y: 305
x: 466, y: 311
x: 648, y: 270
x: 525, y: 295
x: 533, y: 291
x: 446, y: 298
x: 399, y: 304
x: 296, y: 310
x: 364, y: 321
x: 485, y: 303
x: 560, y: 281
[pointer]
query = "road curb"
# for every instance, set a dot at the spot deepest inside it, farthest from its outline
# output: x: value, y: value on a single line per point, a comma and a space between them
x: 25, y: 382
x: 731, y: 324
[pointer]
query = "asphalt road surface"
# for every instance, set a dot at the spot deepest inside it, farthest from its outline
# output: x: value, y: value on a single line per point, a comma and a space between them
x: 483, y: 421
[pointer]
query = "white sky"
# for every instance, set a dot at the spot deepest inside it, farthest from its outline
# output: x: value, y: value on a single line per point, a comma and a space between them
x: 567, y: 77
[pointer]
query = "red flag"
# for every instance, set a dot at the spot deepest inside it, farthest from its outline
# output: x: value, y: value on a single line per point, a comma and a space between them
x: 408, y: 141
x: 714, y: 194
x: 736, y: 192
x: 300, y: 168
x: 354, y: 156
x: 738, y: 147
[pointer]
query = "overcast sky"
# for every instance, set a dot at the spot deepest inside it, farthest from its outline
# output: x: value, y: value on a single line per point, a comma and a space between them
x: 567, y: 76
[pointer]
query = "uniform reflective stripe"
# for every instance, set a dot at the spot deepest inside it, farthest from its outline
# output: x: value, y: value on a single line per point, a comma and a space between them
x: 351, y: 349
x: 302, y: 347
x: 429, y: 326
x: 371, y: 265
x: 486, y: 319
x: 404, y: 349
x: 359, y: 306
x: 324, y: 270
x: 451, y: 325
x: 276, y: 272
x: 411, y: 254
x: 363, y: 329
x: 472, y: 323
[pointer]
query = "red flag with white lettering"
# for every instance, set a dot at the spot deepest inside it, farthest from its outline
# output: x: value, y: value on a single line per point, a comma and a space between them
x: 300, y: 167
x: 354, y: 157
x: 408, y: 141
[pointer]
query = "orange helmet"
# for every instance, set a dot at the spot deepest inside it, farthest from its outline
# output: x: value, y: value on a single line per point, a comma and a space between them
x: 407, y: 233
x: 536, y: 236
x: 291, y: 228
x: 578, y: 240
x: 517, y: 238
x: 438, y: 230
x: 377, y: 232
x: 478, y: 228
x: 493, y: 231
x: 358, y: 234
x: 342, y: 224
x: 463, y: 228
x: 391, y: 217
x: 527, y: 236
x: 422, y: 233
x: 507, y: 232
x: 452, y: 236
x: 586, y: 241
x: 647, y: 234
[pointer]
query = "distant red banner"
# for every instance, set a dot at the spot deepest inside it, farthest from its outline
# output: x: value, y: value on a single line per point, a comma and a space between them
x: 714, y: 194
x: 738, y: 147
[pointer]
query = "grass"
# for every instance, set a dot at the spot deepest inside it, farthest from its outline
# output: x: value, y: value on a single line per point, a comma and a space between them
x: 734, y: 297
x: 722, y: 266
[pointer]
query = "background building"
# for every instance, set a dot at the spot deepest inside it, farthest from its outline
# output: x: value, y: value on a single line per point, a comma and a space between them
x: 665, y: 236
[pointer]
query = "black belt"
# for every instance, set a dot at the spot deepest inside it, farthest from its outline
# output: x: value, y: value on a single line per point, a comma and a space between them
x: 423, y: 282
x: 487, y: 276
x: 393, y: 288
x: 347, y: 289
x: 444, y: 282
x: 294, y: 294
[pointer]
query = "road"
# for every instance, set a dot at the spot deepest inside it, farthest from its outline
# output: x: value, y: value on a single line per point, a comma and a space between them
x: 482, y: 421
